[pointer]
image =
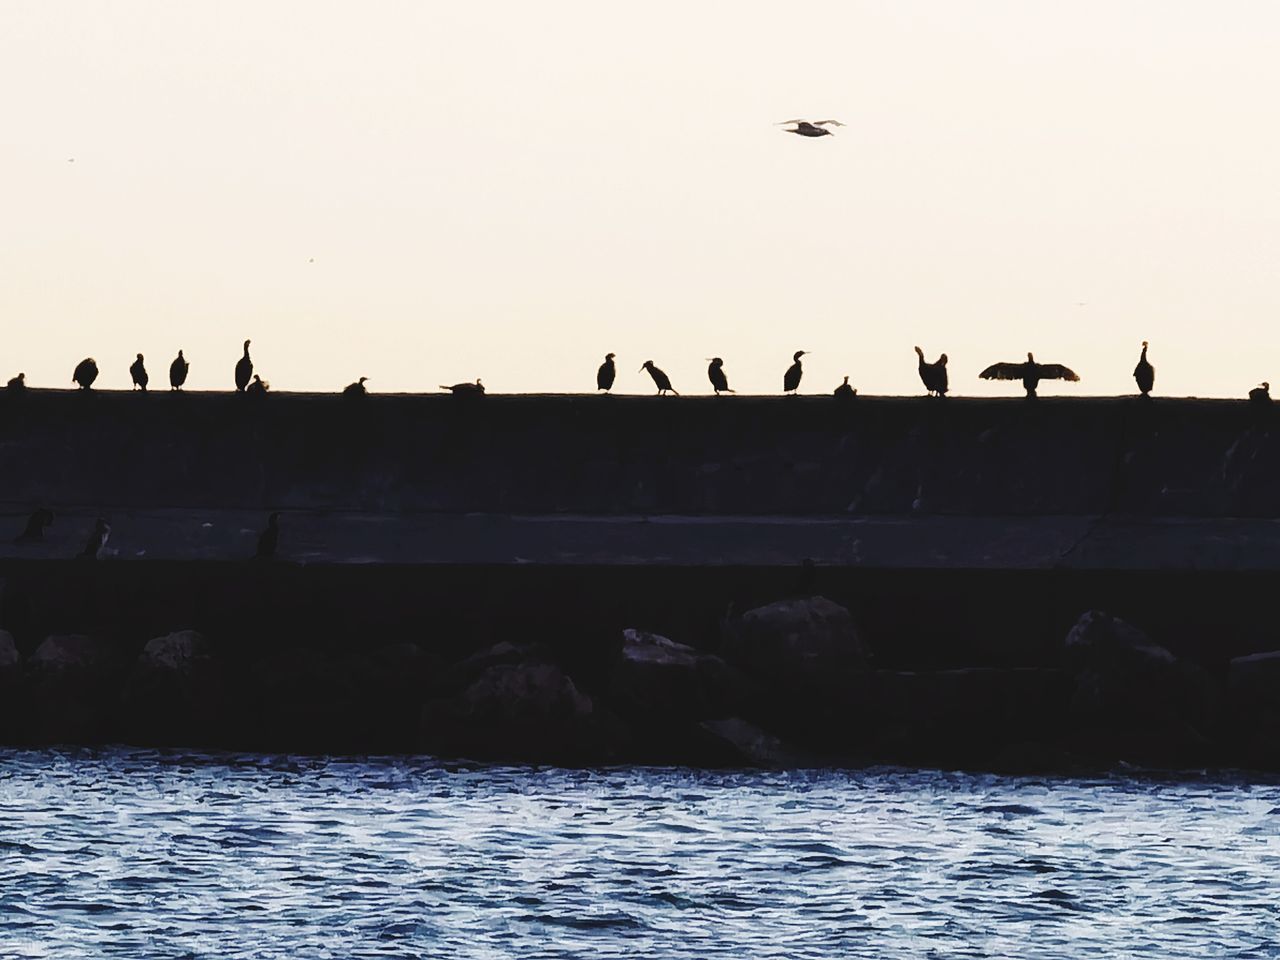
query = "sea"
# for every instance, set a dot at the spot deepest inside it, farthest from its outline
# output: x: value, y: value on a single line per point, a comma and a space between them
x: 144, y: 854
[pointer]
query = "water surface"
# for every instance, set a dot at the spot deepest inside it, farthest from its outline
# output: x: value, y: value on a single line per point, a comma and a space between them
x: 140, y: 854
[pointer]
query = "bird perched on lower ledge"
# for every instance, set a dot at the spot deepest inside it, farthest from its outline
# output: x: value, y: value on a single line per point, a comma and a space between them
x: 465, y: 389
x: 1030, y: 373
x: 36, y: 523
x: 96, y: 545
x: 1261, y: 394
x: 269, y: 539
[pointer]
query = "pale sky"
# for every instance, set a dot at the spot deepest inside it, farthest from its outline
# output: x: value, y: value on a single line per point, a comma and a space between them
x: 508, y: 190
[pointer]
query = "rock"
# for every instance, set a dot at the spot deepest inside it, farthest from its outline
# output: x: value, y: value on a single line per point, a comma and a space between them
x: 1253, y: 683
x: 661, y: 680
x: 1133, y: 699
x: 72, y: 687
x: 809, y: 643
x: 740, y: 743
x: 176, y: 692
x: 463, y: 674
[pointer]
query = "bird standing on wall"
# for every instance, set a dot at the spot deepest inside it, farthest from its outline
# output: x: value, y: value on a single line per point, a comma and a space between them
x: 606, y: 374
x: 18, y: 384
x: 244, y: 370
x: 356, y: 390
x: 269, y: 538
x: 791, y: 379
x: 97, y: 541
x: 844, y: 391
x: 933, y: 375
x: 1030, y: 373
x: 1261, y: 394
x: 138, y: 371
x: 465, y: 389
x: 86, y: 372
x: 715, y: 373
x: 818, y: 128
x: 1144, y: 374
x: 660, y: 379
x: 178, y: 372
x: 36, y: 523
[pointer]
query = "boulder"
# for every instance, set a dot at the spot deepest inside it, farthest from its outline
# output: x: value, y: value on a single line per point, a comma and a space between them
x: 732, y: 741
x: 1132, y: 696
x: 660, y: 679
x: 798, y: 644
x: 1253, y: 683
x: 459, y: 676
x: 73, y: 688
x: 176, y: 692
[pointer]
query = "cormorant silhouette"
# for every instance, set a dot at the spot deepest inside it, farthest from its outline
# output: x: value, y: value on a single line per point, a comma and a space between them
x: 258, y: 388
x: 97, y: 541
x: 1261, y: 394
x: 1030, y: 373
x: 465, y: 389
x: 139, y: 373
x: 356, y: 389
x: 178, y: 372
x: 933, y: 375
x: 1144, y: 374
x: 244, y: 370
x: 268, y: 539
x: 715, y: 373
x: 36, y: 523
x: 606, y: 374
x: 791, y: 379
x: 18, y: 384
x: 815, y: 129
x: 844, y: 391
x: 86, y: 372
x: 660, y: 379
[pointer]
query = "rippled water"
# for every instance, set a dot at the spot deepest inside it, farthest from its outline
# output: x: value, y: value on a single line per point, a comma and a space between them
x: 137, y: 854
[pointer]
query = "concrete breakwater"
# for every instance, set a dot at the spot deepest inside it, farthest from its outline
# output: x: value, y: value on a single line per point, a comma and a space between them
x: 499, y: 578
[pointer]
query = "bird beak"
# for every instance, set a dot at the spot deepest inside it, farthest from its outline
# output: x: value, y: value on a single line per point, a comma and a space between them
x: 641, y: 370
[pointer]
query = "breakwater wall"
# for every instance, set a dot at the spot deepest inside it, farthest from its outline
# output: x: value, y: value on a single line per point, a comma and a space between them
x: 462, y: 576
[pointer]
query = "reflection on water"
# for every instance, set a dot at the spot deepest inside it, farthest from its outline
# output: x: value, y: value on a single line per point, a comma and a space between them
x: 138, y: 854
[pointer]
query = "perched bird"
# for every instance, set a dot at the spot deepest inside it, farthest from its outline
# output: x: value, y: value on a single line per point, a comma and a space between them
x: 178, y: 372
x: 258, y: 388
x: 244, y: 369
x: 606, y: 374
x: 660, y: 379
x: 86, y: 372
x: 1261, y: 394
x: 466, y: 389
x: 139, y: 373
x: 1030, y: 373
x: 791, y: 379
x: 97, y: 541
x: 356, y: 389
x: 18, y: 384
x: 817, y: 128
x: 715, y: 373
x: 36, y: 523
x: 933, y: 375
x: 1144, y: 373
x: 268, y: 539
x: 844, y: 391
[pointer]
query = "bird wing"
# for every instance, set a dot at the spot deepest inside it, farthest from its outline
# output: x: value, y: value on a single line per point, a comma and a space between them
x: 783, y: 123
x: 823, y: 123
x: 1003, y: 371
x: 1056, y: 371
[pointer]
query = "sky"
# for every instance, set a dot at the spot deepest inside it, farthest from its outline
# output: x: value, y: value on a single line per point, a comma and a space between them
x: 428, y: 192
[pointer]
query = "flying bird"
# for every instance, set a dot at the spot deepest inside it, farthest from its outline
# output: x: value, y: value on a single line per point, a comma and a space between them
x: 660, y: 379
x: 606, y: 374
x: 1144, y: 374
x: 1030, y: 373
x: 178, y: 372
x: 244, y: 370
x: 818, y: 128
x: 465, y: 389
x: 933, y: 375
x: 791, y: 379
x: 138, y: 371
x: 715, y: 373
x: 85, y: 373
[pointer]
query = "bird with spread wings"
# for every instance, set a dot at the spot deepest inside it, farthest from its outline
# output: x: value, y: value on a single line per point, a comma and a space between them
x: 1030, y: 373
x: 818, y: 128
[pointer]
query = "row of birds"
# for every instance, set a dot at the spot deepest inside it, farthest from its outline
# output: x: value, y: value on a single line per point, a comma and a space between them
x: 95, y: 547
x: 932, y: 375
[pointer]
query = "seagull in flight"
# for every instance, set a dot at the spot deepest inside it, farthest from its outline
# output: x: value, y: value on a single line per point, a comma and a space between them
x: 817, y: 128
